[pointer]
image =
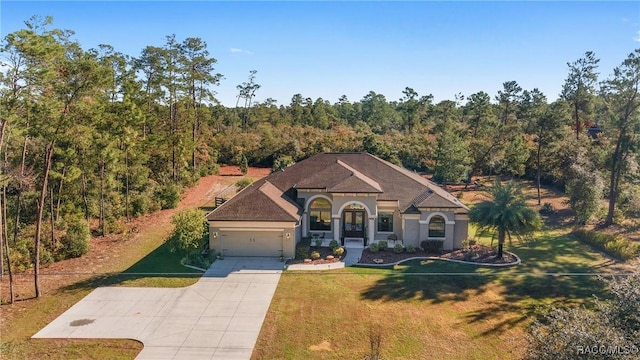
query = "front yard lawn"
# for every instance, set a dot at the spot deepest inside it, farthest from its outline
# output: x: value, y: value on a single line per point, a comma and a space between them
x: 426, y: 309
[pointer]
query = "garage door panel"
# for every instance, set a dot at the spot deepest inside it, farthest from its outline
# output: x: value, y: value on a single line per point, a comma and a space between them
x: 252, y: 243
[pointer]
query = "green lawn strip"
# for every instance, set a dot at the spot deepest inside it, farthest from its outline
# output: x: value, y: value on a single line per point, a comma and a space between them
x: 427, y: 309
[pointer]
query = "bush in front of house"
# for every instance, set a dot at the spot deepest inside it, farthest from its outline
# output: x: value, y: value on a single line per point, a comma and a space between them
x: 195, y: 258
x: 315, y: 255
x: 333, y: 244
x: 383, y: 245
x: 373, y: 247
x: 303, y: 247
x: 432, y: 246
x: 338, y: 251
x: 411, y: 249
x: 398, y: 249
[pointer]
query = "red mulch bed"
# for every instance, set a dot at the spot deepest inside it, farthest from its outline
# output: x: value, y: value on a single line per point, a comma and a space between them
x: 476, y: 253
x: 324, y: 252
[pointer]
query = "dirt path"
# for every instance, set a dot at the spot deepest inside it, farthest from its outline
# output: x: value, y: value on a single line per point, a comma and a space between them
x: 109, y: 253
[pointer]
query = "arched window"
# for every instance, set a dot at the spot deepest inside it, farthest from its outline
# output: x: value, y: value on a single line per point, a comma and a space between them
x: 320, y: 215
x: 436, y: 227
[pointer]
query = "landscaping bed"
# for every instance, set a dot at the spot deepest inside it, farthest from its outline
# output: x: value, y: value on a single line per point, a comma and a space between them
x: 475, y: 254
x: 324, y: 252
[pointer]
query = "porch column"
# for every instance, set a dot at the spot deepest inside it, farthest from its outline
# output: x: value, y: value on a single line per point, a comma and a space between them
x: 305, y: 227
x: 371, y: 229
x: 336, y: 227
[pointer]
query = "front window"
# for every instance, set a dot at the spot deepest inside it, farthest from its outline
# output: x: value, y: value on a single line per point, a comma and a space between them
x: 320, y: 215
x: 436, y: 227
x: 385, y: 222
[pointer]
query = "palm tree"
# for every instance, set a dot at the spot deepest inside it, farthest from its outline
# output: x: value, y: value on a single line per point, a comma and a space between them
x: 506, y: 213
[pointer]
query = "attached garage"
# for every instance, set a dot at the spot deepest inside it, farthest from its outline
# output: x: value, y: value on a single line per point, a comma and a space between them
x: 265, y: 242
x: 260, y: 238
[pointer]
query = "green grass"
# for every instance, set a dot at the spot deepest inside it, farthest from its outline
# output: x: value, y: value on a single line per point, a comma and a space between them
x: 147, y: 263
x: 423, y: 311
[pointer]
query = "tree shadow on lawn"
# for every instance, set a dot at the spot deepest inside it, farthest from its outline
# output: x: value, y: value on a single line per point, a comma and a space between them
x: 545, y: 277
x: 160, y: 263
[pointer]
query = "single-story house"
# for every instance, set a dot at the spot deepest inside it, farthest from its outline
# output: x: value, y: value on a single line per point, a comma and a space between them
x: 356, y: 198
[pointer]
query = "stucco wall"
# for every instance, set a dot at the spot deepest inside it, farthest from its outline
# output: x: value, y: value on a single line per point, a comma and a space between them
x: 411, y: 233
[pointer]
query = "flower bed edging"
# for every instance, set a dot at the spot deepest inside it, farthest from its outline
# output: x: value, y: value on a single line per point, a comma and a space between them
x: 517, y: 262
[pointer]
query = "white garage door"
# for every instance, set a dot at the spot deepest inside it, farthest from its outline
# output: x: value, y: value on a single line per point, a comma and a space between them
x: 252, y: 243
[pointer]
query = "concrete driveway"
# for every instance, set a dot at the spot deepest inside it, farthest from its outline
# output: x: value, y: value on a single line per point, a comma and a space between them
x: 219, y: 317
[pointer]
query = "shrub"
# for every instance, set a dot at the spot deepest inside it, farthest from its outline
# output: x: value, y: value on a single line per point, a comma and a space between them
x: 373, y: 247
x: 383, y: 245
x: 75, y: 241
x: 432, y: 246
x: 547, y: 209
x: 613, y: 245
x: 168, y: 196
x: 338, y: 251
x: 190, y: 231
x: 114, y: 225
x: 315, y: 255
x: 140, y: 205
x: 244, y: 165
x: 411, y: 249
x: 318, y: 242
x: 46, y: 257
x: 303, y: 247
x: 333, y: 244
x: 21, y: 255
x: 398, y: 248
x: 195, y: 258
x: 243, y: 183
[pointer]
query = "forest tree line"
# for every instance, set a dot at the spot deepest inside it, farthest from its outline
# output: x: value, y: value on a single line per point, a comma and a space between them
x: 99, y: 137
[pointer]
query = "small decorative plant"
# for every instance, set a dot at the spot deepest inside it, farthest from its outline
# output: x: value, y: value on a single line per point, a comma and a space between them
x: 338, y: 251
x: 318, y: 242
x: 398, y: 248
x: 374, y: 247
x: 333, y: 244
x: 220, y: 256
x: 383, y: 245
x: 315, y: 255
x: 411, y: 249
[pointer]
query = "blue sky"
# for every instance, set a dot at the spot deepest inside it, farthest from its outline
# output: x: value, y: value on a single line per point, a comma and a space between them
x: 327, y: 49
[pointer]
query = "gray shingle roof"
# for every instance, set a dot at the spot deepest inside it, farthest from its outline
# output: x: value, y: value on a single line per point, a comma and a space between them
x: 265, y: 200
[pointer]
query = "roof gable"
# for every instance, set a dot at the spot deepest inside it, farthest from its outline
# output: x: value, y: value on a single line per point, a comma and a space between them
x: 267, y: 200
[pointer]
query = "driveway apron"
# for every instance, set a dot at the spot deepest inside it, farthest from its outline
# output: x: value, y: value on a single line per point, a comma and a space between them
x: 219, y: 317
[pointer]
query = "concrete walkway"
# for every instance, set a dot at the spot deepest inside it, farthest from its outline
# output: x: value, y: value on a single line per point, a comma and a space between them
x: 219, y: 317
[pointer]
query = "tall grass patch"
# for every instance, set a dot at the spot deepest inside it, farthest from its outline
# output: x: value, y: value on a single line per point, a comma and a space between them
x: 613, y: 245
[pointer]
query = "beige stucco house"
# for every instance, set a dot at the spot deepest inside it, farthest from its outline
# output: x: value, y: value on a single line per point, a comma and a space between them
x: 355, y: 198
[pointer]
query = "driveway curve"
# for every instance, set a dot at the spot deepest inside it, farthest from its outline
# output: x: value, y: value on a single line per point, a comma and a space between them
x: 219, y: 317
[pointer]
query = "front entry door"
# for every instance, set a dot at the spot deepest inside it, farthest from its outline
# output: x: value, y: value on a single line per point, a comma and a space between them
x: 353, y: 223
